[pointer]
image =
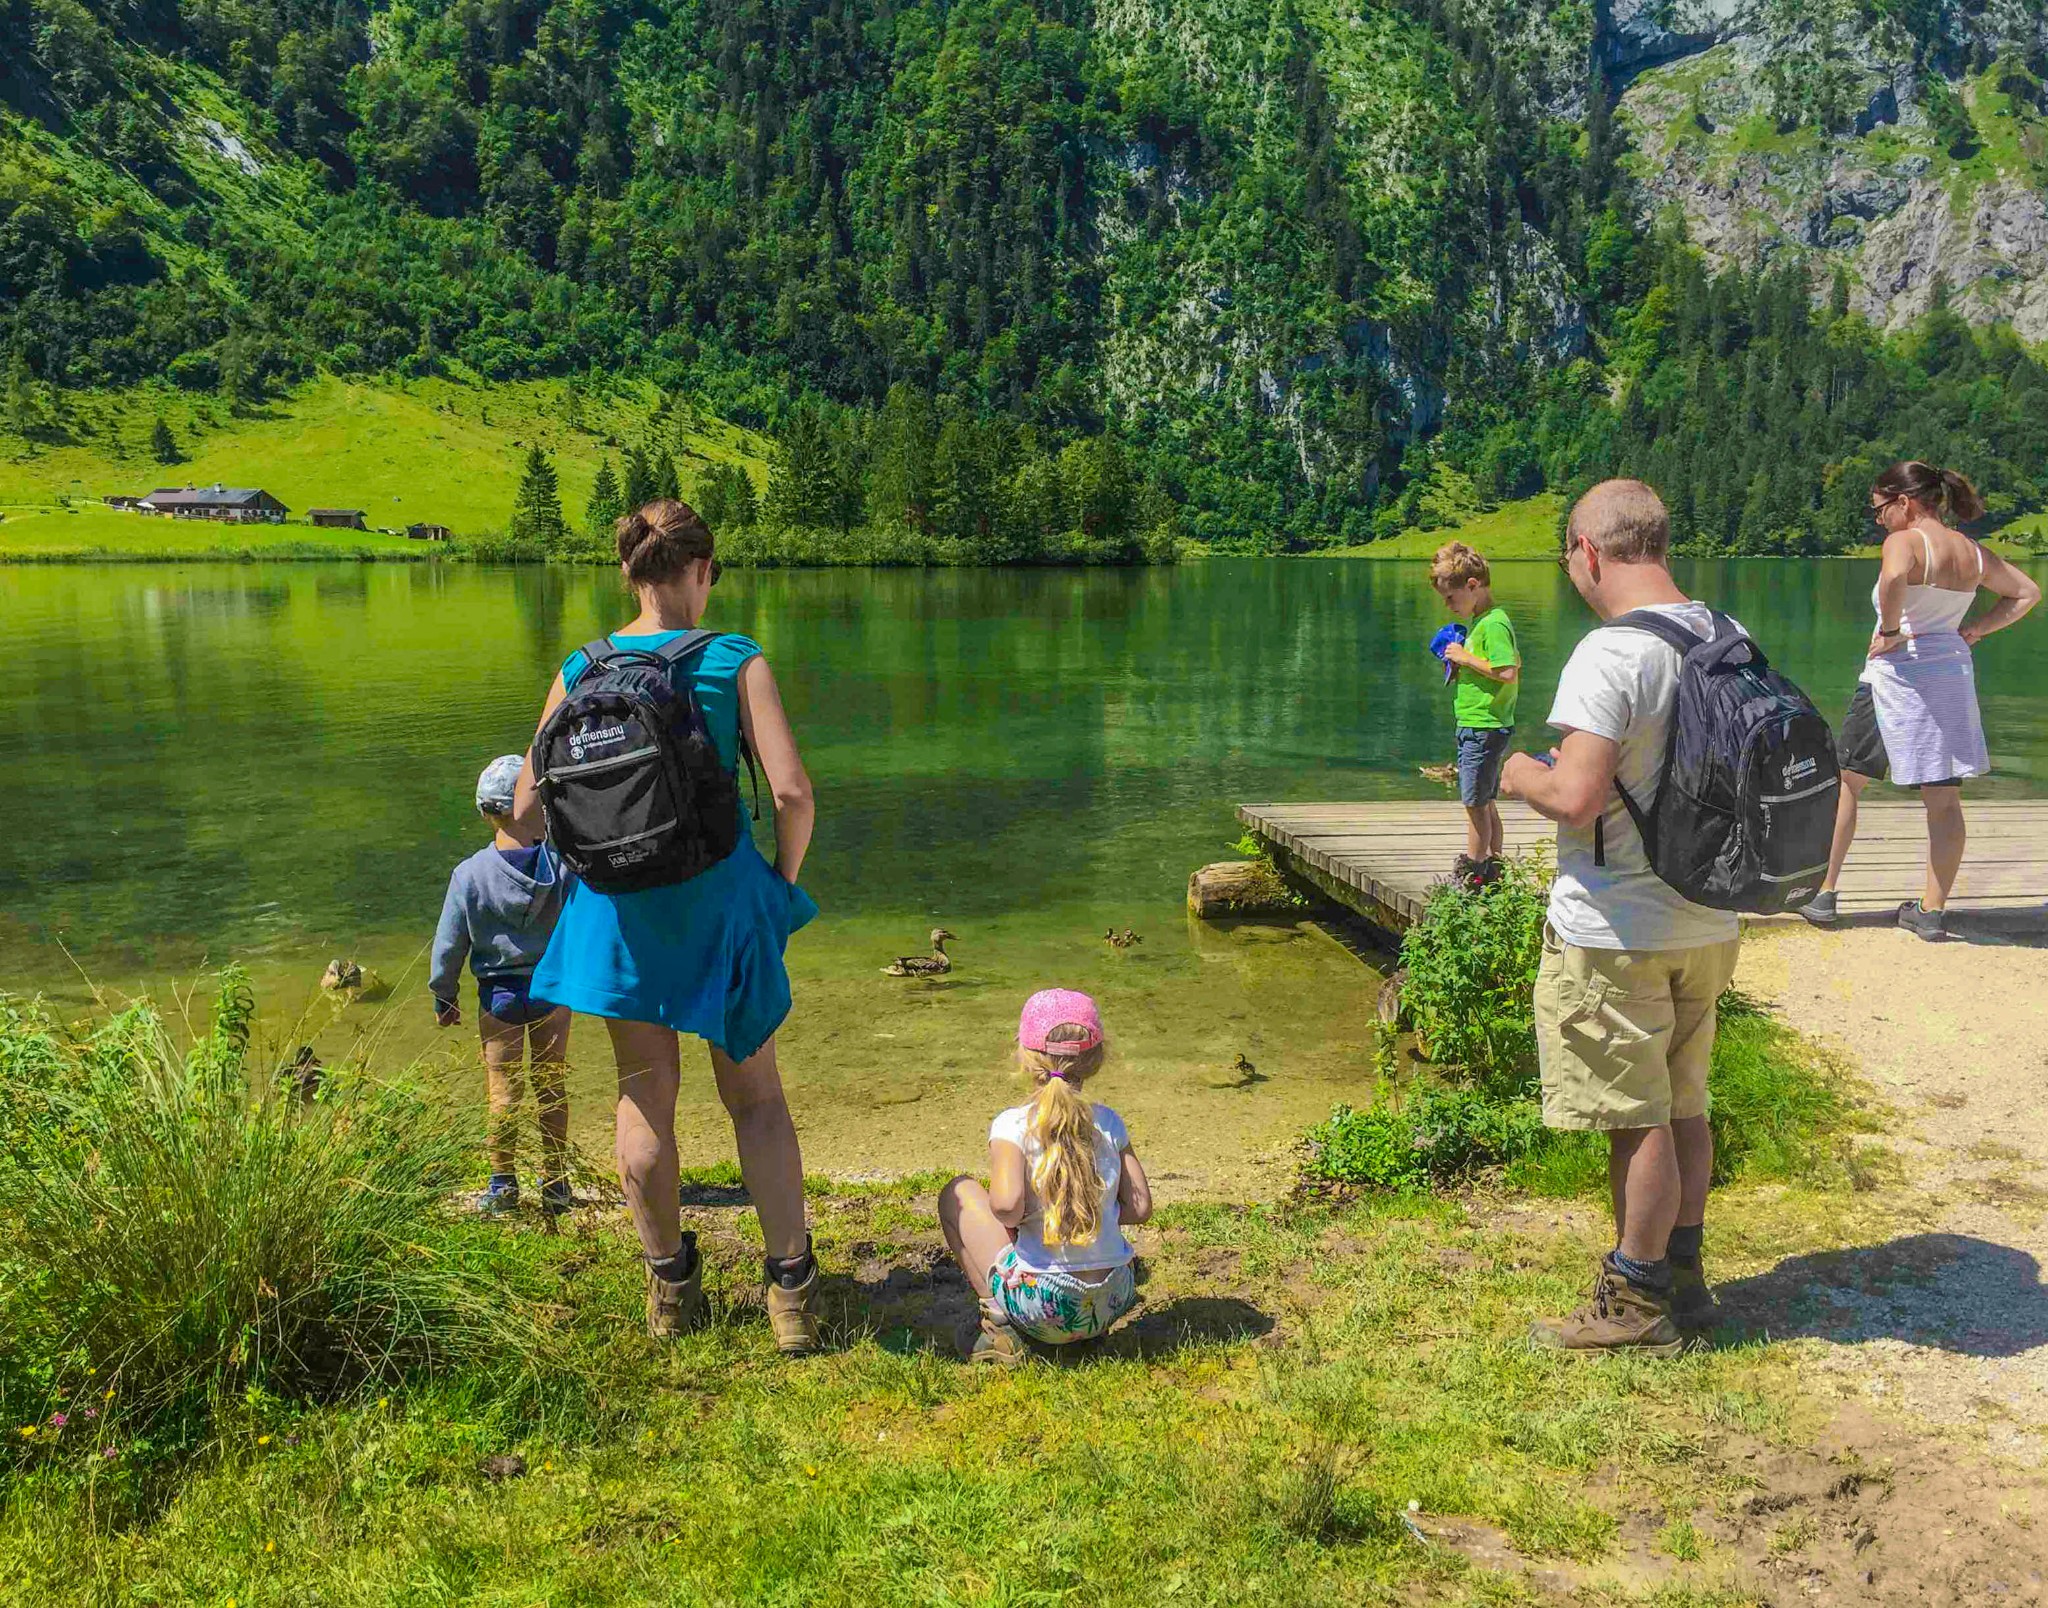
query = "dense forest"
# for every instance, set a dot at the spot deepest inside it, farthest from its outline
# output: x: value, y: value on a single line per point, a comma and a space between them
x: 1249, y: 271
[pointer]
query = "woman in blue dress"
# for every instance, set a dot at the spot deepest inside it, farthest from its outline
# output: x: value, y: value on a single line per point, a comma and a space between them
x: 701, y: 957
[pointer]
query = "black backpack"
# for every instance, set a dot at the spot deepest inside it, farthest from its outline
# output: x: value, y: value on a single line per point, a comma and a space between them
x: 1745, y: 806
x: 630, y: 780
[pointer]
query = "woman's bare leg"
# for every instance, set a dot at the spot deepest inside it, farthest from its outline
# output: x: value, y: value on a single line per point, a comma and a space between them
x: 1845, y: 826
x: 547, y: 1046
x: 504, y: 1048
x: 771, y: 1162
x: 650, y: 1071
x: 1945, y: 838
x: 973, y: 1234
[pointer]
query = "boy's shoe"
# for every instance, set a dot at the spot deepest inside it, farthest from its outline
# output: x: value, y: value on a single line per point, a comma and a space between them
x: 1486, y: 873
x: 1465, y: 871
x: 1917, y: 919
x: 675, y: 1308
x: 1620, y: 1316
x: 1822, y: 909
x: 793, y: 1312
x: 989, y: 1339
x: 556, y: 1197
x: 500, y: 1195
x: 1693, y: 1306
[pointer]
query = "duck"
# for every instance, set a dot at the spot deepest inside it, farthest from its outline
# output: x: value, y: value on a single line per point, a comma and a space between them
x: 341, y: 974
x: 302, y: 1077
x: 1110, y: 937
x: 936, y: 964
x: 1447, y: 773
x: 1128, y: 939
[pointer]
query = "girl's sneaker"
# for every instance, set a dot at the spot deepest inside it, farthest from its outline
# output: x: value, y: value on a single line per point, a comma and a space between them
x: 1917, y: 919
x: 500, y: 1196
x: 1822, y: 910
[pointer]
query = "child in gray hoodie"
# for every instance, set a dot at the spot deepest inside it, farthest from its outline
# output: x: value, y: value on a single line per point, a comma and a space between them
x: 501, y: 908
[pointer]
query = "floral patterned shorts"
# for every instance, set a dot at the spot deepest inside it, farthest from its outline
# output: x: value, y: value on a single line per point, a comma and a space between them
x: 1052, y: 1306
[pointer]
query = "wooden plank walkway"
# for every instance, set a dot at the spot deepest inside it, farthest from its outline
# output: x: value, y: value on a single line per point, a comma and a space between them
x: 1380, y: 859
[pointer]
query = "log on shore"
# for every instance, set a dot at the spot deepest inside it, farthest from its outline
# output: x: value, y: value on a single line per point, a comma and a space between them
x: 1239, y: 888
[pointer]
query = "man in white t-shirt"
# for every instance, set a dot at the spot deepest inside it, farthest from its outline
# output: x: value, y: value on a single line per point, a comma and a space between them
x: 1631, y: 971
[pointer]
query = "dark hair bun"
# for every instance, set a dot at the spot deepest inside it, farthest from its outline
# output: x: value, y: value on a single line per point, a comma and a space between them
x: 661, y: 539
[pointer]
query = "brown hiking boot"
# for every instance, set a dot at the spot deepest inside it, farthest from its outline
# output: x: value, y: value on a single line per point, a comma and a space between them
x: 1620, y: 1317
x: 993, y: 1340
x: 673, y: 1310
x: 793, y: 1315
x: 1692, y: 1301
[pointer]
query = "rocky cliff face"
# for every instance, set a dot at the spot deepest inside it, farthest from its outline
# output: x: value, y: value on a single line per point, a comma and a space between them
x: 1915, y: 163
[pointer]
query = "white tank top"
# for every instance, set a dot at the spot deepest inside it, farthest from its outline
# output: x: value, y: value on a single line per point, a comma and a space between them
x: 1931, y: 610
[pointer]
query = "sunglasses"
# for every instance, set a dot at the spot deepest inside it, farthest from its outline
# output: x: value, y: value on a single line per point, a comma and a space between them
x: 1564, y: 559
x: 717, y: 569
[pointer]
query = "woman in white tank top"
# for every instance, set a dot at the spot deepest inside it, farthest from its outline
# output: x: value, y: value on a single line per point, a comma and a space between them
x: 1915, y: 713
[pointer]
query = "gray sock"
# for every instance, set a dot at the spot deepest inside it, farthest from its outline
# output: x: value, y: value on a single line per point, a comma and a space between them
x: 1643, y: 1275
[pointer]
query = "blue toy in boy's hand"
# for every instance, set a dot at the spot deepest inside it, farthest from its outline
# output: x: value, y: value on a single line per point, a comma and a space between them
x: 1453, y: 632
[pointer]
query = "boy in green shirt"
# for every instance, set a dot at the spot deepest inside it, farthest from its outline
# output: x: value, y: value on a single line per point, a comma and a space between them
x: 1486, y: 671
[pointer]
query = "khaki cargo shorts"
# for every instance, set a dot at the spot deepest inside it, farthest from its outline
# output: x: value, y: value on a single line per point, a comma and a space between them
x: 1624, y: 1035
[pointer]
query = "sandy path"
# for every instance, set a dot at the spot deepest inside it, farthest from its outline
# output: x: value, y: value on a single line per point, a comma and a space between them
x: 1955, y: 1037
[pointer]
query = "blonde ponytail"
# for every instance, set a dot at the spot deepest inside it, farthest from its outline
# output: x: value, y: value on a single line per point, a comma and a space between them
x: 1066, y: 1180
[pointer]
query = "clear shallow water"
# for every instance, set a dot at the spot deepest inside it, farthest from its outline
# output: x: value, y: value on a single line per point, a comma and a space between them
x: 274, y: 763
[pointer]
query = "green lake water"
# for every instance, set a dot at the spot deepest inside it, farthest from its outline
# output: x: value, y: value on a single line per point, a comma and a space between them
x: 274, y: 763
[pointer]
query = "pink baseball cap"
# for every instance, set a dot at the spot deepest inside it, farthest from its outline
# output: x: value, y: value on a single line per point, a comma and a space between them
x: 1058, y: 1007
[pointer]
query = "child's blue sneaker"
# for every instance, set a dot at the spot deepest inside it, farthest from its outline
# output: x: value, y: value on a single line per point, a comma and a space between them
x: 555, y: 1196
x: 500, y: 1195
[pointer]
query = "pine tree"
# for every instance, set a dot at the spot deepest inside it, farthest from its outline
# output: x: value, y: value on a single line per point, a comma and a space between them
x: 639, y: 486
x: 162, y: 444
x: 537, y: 508
x: 900, y: 479
x: 802, y: 487
x: 666, y: 482
x: 607, y: 502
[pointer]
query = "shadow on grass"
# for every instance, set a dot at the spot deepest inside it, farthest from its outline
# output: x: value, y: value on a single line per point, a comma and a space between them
x: 1949, y: 1292
x: 2018, y: 926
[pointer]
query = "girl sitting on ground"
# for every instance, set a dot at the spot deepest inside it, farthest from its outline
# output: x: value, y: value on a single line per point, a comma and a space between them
x: 1042, y: 1244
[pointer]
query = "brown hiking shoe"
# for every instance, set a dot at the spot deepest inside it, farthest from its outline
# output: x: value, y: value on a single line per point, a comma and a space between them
x: 793, y: 1315
x: 1620, y: 1317
x: 993, y: 1340
x: 1692, y: 1301
x: 673, y: 1310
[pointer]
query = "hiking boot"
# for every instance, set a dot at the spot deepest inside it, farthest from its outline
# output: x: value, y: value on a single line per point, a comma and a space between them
x: 793, y: 1312
x: 1917, y: 919
x: 1620, y: 1317
x: 675, y: 1308
x: 1693, y: 1306
x: 1821, y: 910
x: 500, y: 1195
x: 989, y: 1339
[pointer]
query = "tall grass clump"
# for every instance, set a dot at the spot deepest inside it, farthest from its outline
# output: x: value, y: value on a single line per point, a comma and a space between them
x: 177, y: 1231
x: 1779, y: 1108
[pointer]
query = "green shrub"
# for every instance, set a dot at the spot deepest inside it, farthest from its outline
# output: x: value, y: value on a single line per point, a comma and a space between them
x: 1471, y: 963
x: 178, y: 1231
x: 1432, y: 1134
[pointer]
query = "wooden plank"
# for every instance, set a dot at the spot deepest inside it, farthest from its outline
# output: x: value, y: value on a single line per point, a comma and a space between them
x: 1382, y: 859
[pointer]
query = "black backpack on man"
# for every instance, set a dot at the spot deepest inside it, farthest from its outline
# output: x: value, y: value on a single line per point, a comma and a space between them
x: 633, y: 789
x: 1745, y: 807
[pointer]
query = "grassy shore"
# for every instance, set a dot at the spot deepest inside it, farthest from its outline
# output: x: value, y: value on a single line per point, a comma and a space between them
x: 1514, y: 531
x: 433, y: 450
x: 257, y: 1354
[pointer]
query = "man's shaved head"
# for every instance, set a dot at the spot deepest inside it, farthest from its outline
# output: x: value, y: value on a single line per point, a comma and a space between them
x: 1624, y: 520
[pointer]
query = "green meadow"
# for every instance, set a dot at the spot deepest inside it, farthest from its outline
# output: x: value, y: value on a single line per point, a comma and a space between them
x: 434, y: 451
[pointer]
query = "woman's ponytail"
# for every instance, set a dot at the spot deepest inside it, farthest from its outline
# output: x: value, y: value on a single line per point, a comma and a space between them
x: 1943, y: 490
x: 1066, y: 1179
x: 1960, y: 502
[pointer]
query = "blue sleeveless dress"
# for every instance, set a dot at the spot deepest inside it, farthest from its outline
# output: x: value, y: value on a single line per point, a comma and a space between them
x: 703, y: 956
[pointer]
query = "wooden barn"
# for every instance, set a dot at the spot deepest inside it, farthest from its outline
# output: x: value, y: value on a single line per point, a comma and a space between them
x: 235, y: 505
x: 337, y: 518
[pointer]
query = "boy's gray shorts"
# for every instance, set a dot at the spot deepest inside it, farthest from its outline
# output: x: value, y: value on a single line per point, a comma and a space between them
x: 1482, y: 750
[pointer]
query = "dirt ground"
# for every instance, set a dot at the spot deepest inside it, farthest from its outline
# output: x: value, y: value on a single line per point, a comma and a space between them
x: 1948, y: 1323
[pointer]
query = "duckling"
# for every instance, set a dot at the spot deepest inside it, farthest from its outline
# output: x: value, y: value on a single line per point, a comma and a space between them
x: 1447, y: 774
x: 1110, y: 937
x: 936, y: 964
x: 1128, y: 939
x: 302, y: 1077
x: 1248, y: 1076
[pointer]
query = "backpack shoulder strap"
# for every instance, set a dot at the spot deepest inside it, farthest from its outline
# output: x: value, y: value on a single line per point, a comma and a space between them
x: 1663, y: 627
x: 674, y: 651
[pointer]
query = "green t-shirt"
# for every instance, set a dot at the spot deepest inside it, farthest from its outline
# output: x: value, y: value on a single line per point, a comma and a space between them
x: 1482, y: 702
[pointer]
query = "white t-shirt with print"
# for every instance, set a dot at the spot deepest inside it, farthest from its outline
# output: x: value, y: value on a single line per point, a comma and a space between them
x: 1623, y: 685
x: 1109, y: 1248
